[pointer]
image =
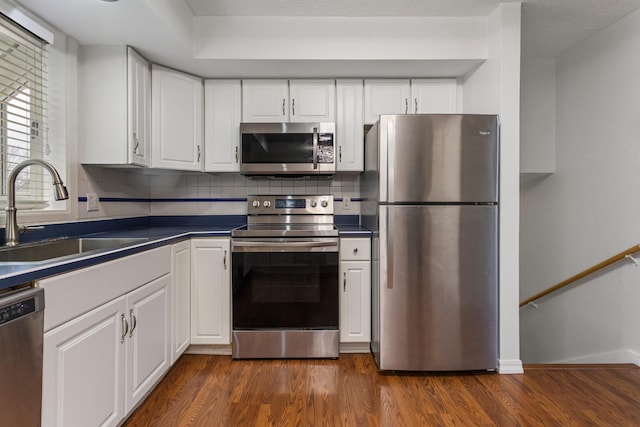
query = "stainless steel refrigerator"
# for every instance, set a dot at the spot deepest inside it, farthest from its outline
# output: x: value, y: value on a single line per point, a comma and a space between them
x: 430, y: 195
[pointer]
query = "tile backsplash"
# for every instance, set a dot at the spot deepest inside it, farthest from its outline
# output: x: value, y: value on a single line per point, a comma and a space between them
x: 125, y: 192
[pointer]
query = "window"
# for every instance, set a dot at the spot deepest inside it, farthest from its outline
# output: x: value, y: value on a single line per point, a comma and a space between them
x: 23, y: 111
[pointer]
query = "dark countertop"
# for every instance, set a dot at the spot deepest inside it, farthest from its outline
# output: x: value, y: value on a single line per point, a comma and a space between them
x: 159, y: 232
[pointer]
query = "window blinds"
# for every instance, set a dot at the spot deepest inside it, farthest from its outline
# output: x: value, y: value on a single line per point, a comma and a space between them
x: 23, y: 106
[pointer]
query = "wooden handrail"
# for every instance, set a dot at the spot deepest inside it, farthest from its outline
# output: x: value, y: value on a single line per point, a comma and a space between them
x: 607, y: 262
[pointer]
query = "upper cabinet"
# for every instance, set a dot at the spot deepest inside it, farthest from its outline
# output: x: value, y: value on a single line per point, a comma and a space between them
x: 176, y: 117
x: 288, y: 101
x: 434, y: 96
x: 350, y: 125
x: 222, y: 110
x: 114, y: 106
x: 403, y: 96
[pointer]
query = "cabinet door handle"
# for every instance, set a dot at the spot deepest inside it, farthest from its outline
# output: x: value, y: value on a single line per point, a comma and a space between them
x: 406, y: 105
x: 344, y: 282
x: 236, y: 154
x: 284, y: 104
x: 198, y: 154
x: 125, y: 327
x: 224, y: 260
x: 416, y: 102
x: 136, y: 143
x: 134, y: 322
x: 293, y: 107
x: 340, y: 153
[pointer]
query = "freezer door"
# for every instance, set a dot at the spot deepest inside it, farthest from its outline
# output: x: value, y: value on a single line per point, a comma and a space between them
x: 438, y: 288
x: 439, y: 158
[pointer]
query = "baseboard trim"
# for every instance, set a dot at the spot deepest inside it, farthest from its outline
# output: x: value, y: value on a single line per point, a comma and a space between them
x: 611, y: 357
x: 213, y: 349
x: 510, y: 367
x: 355, y: 347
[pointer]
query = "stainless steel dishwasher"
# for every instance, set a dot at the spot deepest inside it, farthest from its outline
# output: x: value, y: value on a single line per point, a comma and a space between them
x: 21, y: 335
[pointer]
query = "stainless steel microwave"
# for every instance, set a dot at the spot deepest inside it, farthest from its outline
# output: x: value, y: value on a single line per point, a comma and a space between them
x: 287, y: 149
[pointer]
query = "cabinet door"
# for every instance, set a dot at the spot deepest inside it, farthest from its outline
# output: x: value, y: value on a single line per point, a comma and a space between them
x: 312, y: 100
x: 180, y: 298
x: 355, y: 301
x: 83, y: 369
x: 265, y: 101
x: 222, y: 112
x: 102, y: 105
x: 434, y: 96
x: 210, y: 291
x: 139, y: 109
x: 177, y: 108
x: 148, y: 341
x: 350, y: 125
x: 385, y: 96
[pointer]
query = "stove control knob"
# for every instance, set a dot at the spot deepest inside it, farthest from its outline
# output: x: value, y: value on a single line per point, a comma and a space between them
x: 324, y: 204
x: 266, y: 204
x: 256, y: 203
x: 313, y: 203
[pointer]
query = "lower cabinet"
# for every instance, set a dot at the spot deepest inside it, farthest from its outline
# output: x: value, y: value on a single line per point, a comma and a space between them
x: 99, y: 364
x: 180, y: 298
x: 355, y: 295
x: 211, y: 291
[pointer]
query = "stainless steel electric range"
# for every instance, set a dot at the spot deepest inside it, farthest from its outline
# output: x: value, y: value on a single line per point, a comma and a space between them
x: 285, y: 279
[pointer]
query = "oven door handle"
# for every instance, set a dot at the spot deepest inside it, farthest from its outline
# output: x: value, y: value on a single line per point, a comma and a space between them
x: 284, y: 246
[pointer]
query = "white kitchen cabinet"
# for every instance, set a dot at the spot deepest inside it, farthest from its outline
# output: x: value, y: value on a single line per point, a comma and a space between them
x: 107, y: 338
x: 98, y: 366
x: 385, y: 96
x: 83, y: 369
x: 222, y: 111
x: 210, y: 291
x: 434, y: 96
x: 312, y: 100
x: 265, y: 101
x: 176, y: 116
x: 350, y: 125
x: 148, y: 343
x: 114, y: 100
x: 288, y: 101
x: 355, y: 295
x: 180, y: 298
x: 404, y: 96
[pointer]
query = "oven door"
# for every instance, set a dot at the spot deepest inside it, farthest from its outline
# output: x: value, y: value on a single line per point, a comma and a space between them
x: 285, y: 284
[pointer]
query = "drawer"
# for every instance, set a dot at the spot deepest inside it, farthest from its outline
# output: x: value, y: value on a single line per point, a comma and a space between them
x: 355, y: 249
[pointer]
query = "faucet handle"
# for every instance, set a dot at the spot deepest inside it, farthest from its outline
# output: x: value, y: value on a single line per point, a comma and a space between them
x: 25, y: 228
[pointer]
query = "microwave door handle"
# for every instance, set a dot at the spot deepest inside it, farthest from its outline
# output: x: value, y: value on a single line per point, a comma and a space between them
x: 315, y: 148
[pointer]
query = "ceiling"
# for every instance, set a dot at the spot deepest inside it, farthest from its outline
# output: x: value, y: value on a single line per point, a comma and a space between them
x: 548, y: 26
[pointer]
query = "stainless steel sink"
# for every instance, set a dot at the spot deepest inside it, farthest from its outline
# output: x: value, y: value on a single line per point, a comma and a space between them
x: 46, y: 251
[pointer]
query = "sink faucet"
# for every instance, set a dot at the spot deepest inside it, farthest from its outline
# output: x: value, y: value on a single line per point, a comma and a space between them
x: 11, y: 231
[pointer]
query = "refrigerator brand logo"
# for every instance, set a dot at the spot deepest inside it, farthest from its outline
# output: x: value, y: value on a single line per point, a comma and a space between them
x: 485, y: 132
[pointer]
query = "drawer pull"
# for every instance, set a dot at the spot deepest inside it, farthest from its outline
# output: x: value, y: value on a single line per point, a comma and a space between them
x: 355, y: 251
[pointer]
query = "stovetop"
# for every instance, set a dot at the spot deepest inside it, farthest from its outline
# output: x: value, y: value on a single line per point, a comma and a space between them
x: 286, y: 230
x: 288, y: 216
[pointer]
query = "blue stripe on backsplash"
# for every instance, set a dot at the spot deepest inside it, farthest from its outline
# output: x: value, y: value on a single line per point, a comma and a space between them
x: 188, y: 200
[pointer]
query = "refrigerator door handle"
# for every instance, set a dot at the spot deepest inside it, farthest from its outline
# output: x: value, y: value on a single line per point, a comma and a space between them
x: 386, y: 248
x: 391, y: 160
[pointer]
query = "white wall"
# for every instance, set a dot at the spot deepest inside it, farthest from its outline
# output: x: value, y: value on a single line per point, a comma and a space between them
x: 538, y: 113
x: 494, y: 88
x: 589, y: 209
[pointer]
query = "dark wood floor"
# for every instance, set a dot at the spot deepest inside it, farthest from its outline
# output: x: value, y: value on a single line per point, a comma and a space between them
x: 216, y: 391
